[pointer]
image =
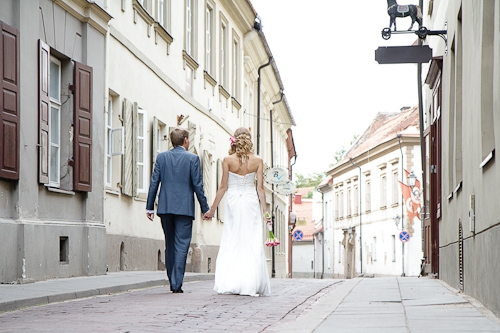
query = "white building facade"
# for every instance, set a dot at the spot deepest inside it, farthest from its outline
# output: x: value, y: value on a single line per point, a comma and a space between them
x: 196, y: 64
x: 462, y: 131
x: 364, y: 214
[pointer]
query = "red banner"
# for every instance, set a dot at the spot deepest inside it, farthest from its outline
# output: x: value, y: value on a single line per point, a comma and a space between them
x: 411, y: 201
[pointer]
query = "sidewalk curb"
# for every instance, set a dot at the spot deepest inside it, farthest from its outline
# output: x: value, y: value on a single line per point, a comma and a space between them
x: 55, y: 297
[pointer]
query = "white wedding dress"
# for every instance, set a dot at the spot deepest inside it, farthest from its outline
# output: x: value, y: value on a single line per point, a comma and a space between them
x: 241, y: 266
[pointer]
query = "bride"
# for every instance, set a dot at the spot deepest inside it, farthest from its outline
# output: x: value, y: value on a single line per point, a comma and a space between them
x: 241, y: 266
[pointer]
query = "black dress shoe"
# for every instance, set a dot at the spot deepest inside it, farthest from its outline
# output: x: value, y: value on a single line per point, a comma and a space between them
x: 178, y: 291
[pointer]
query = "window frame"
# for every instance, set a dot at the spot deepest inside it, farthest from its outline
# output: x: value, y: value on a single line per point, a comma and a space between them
x: 235, y: 87
x: 383, y: 190
x: 141, y: 143
x: 54, y: 166
x: 210, y: 37
x: 223, y: 36
x: 190, y: 27
x: 368, y: 193
x: 395, y: 188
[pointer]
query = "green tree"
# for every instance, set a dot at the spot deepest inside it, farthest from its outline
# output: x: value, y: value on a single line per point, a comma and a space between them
x: 312, y: 180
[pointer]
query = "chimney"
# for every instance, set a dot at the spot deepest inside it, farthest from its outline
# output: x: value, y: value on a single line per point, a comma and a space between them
x: 297, y: 199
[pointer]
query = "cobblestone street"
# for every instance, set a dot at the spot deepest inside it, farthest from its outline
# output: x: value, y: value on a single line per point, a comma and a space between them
x: 198, y: 309
x: 386, y: 304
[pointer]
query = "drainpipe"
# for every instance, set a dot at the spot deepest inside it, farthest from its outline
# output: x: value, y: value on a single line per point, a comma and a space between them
x: 360, y: 213
x: 323, y: 235
x: 258, y: 103
x: 421, y: 123
x: 273, y: 261
x: 402, y: 211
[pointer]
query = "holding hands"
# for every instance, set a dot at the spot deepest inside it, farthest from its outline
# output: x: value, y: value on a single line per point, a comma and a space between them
x: 208, y: 215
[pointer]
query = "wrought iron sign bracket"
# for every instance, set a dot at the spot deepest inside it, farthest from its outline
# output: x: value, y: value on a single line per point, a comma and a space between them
x: 422, y: 33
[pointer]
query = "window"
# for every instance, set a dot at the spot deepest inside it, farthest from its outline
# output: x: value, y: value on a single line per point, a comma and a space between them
x: 395, y: 187
x: 368, y: 194
x: 114, y: 140
x: 141, y: 151
x: 489, y: 39
x: 9, y: 102
x: 374, y: 252
x: 163, y: 13
x: 223, y: 53
x: 356, y: 200
x: 53, y: 125
x: 341, y: 205
x: 248, y: 118
x: 209, y: 40
x: 109, y: 130
x: 146, y: 4
x: 383, y: 191
x: 55, y: 122
x: 134, y: 163
x: 337, y: 203
x: 190, y: 26
x: 349, y: 201
x: 236, y: 68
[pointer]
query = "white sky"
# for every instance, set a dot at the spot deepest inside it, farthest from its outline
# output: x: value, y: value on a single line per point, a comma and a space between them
x: 325, y: 53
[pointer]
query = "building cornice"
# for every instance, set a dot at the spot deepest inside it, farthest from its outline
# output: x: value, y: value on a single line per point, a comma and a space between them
x: 374, y: 153
x: 88, y: 12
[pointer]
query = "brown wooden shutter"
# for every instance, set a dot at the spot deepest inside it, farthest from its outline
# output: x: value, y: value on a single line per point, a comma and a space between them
x: 43, y: 112
x: 9, y: 102
x: 82, y: 149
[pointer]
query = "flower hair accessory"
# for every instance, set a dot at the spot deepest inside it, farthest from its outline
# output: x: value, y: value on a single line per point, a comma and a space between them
x: 232, y: 140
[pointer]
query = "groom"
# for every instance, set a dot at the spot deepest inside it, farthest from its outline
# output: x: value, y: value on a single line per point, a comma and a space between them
x: 178, y: 171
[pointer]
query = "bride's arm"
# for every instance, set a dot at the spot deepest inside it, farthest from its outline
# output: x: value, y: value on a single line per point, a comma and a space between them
x: 222, y: 189
x: 260, y: 187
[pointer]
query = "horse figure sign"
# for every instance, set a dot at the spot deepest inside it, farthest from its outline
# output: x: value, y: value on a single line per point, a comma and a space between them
x: 394, y: 10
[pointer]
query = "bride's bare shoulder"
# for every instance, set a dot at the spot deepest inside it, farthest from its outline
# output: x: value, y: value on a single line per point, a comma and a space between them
x: 255, y: 158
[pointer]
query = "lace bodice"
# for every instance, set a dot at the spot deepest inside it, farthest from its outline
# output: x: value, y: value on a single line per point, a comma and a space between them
x: 241, y: 183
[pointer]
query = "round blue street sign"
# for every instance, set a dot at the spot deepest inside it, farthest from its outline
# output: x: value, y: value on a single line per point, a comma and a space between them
x: 297, y: 235
x: 404, y: 236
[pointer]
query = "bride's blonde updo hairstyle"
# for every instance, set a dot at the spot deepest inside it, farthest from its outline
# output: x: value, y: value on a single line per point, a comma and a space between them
x: 241, y: 144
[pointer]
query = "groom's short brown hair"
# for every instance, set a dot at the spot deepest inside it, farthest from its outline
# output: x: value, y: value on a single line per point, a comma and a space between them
x: 177, y: 136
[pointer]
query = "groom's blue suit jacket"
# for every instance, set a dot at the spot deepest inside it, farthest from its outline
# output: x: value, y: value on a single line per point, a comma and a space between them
x: 178, y: 171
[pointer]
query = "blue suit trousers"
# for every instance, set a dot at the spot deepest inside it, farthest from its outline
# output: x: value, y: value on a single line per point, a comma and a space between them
x: 178, y: 232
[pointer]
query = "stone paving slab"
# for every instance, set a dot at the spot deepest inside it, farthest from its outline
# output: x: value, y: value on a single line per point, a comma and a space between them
x: 419, y: 305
